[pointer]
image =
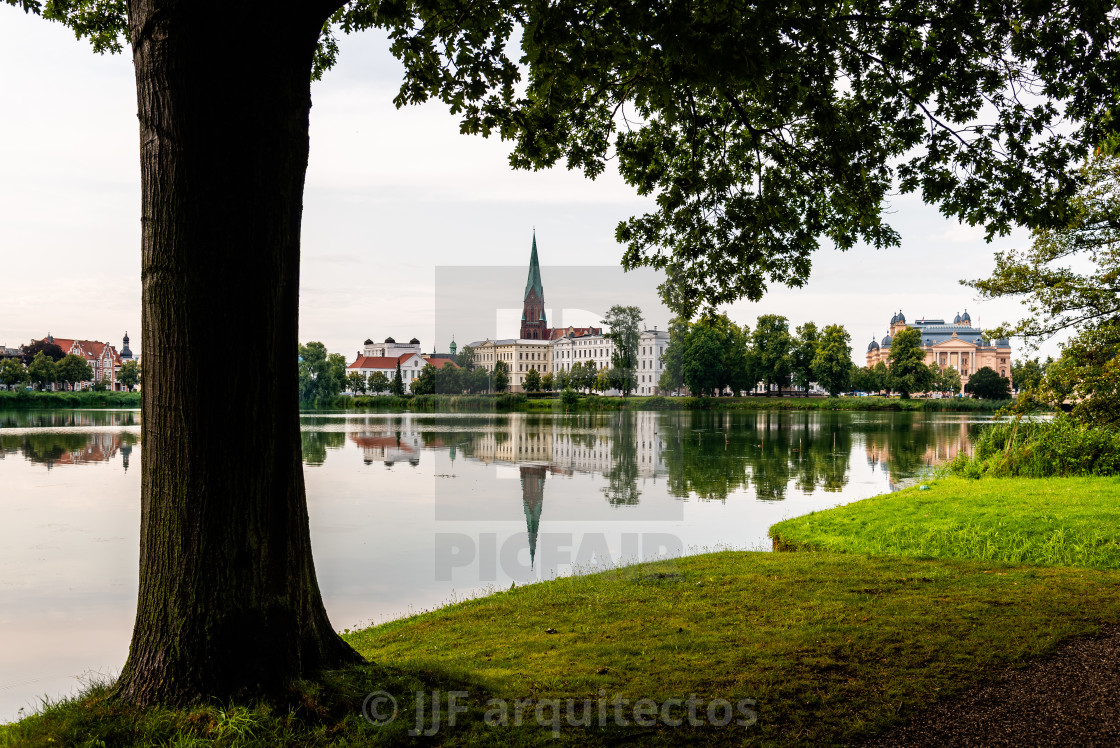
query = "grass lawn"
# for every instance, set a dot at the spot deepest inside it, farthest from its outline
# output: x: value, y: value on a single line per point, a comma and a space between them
x: 1048, y: 521
x: 831, y: 648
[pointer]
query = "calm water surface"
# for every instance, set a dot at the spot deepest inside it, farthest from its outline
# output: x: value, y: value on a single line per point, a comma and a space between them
x: 410, y: 511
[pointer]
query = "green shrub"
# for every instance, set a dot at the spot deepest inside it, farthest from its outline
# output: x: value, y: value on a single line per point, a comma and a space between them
x: 83, y: 399
x: 1039, y: 449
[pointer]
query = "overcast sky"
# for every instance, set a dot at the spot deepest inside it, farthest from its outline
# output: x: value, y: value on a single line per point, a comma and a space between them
x: 396, y: 203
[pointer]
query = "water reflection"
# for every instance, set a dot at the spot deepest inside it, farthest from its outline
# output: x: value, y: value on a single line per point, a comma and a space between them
x: 98, y: 418
x: 525, y: 497
x: 52, y: 448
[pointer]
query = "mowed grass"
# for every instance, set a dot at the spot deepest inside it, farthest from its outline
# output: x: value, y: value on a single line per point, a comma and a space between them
x: 1048, y: 521
x: 831, y: 647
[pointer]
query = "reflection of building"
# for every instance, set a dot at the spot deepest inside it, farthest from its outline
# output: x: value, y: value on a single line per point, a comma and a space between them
x: 54, y: 448
x: 532, y: 497
x: 388, y: 448
x: 959, y: 345
x: 944, y: 444
x: 568, y: 450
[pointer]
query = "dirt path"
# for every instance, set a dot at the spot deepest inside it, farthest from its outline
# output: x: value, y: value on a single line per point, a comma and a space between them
x: 1071, y: 698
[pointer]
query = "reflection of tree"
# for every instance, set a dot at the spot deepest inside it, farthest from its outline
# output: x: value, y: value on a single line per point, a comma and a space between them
x: 824, y: 452
x: 712, y: 455
x: 316, y: 443
x: 904, y: 443
x: 67, y: 418
x: 622, y: 476
x: 705, y: 455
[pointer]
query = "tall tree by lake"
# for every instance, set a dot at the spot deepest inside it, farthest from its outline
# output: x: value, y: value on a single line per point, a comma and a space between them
x: 805, y: 343
x: 1069, y: 278
x: 625, y: 324
x: 832, y: 360
x: 750, y: 173
x: 908, y: 370
x: 12, y: 373
x: 773, y: 350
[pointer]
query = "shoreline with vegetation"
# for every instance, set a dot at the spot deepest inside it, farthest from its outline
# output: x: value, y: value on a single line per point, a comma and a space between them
x: 840, y: 647
x: 582, y: 403
x: 519, y: 402
x: 79, y: 399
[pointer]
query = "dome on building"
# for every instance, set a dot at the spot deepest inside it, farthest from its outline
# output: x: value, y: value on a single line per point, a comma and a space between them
x: 965, y: 318
x: 901, y: 317
x: 1002, y: 343
x: 957, y: 319
x: 414, y: 341
x: 887, y: 341
x: 368, y: 342
x: 872, y: 346
x: 894, y: 319
x: 390, y: 340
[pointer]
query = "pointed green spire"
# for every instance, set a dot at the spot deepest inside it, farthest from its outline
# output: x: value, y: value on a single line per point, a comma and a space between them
x: 534, y: 281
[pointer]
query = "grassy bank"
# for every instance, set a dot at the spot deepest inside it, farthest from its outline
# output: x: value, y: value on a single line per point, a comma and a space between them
x: 552, y: 402
x: 830, y: 647
x: 1049, y: 521
x: 85, y: 399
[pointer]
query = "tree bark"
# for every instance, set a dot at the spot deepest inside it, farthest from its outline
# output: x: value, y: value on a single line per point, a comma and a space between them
x: 228, y: 601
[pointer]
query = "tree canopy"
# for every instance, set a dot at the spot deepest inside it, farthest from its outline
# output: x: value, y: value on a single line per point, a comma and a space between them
x: 322, y: 375
x: 762, y: 130
x: 985, y: 383
x: 52, y: 350
x: 909, y: 373
x: 773, y: 350
x: 832, y: 360
x: 12, y: 372
x: 72, y: 369
x: 1069, y: 278
x: 625, y: 330
x: 129, y: 374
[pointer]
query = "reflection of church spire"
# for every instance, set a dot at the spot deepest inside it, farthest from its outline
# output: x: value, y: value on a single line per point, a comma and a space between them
x: 532, y: 496
x: 126, y: 451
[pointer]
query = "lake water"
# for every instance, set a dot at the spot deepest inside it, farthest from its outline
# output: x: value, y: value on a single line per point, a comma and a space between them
x: 411, y: 511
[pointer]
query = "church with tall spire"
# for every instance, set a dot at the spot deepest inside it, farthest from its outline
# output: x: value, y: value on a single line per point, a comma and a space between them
x: 534, y: 324
x: 534, y: 320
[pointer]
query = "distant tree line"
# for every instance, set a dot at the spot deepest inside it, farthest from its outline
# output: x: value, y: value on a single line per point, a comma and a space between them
x: 713, y: 355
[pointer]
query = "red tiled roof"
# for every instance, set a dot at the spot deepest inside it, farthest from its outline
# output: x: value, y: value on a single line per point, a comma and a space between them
x: 88, y: 349
x: 380, y: 362
x: 440, y: 361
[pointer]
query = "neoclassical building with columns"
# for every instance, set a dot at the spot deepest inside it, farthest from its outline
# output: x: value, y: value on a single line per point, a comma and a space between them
x: 957, y: 344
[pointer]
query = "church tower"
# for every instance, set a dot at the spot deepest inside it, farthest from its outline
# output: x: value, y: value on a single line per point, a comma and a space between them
x: 534, y: 326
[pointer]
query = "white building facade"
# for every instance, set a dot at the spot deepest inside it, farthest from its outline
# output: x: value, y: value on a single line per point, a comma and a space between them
x: 384, y: 357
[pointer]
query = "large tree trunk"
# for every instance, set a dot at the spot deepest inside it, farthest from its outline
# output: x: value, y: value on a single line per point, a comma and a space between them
x: 228, y: 602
